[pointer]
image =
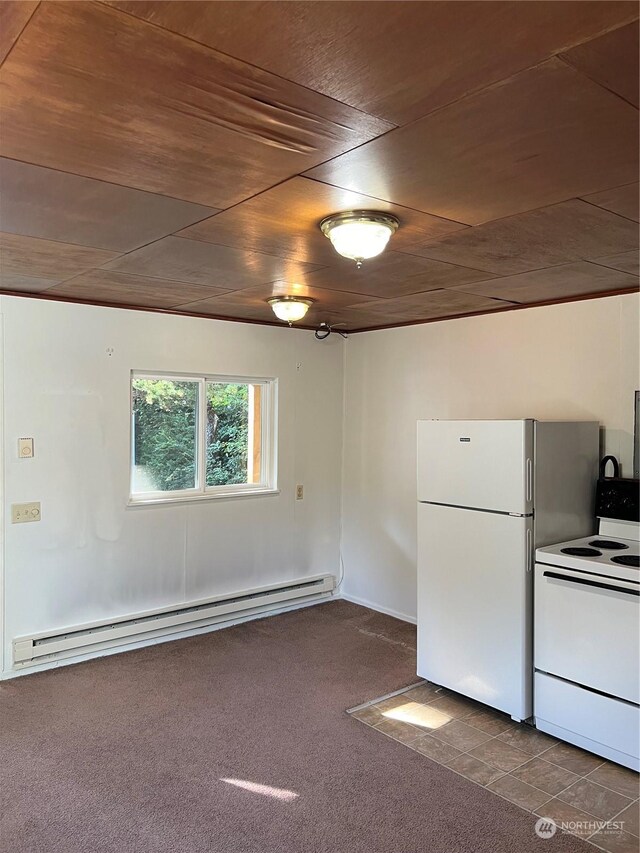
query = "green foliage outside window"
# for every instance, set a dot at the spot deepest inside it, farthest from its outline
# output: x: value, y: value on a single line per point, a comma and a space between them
x: 165, y: 433
x: 227, y: 434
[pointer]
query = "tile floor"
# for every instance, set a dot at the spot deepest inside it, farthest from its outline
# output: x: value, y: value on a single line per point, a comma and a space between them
x: 515, y: 761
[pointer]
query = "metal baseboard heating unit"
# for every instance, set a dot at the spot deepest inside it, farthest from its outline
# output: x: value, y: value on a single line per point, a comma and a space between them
x: 82, y: 639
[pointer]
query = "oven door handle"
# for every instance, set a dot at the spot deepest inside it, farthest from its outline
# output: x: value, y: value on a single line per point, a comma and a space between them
x: 586, y: 582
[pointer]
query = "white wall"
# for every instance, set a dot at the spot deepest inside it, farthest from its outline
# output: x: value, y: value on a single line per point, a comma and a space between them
x: 574, y: 361
x: 93, y: 558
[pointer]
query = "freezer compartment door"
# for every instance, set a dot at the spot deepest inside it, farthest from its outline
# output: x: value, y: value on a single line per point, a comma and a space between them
x: 481, y: 464
x: 474, y: 604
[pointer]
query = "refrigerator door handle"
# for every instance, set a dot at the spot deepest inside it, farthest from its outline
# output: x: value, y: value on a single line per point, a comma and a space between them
x: 529, y: 541
x: 529, y: 479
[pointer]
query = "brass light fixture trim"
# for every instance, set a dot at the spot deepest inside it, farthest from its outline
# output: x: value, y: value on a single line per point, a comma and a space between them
x: 290, y: 308
x: 359, y: 234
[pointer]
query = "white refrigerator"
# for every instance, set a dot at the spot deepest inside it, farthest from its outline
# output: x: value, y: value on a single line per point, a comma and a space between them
x: 489, y: 493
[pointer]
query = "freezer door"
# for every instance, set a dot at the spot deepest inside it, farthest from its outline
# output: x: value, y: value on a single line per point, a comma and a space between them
x: 474, y: 604
x: 482, y: 464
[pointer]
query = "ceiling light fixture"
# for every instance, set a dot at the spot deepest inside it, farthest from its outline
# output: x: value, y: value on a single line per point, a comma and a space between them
x: 290, y: 308
x: 359, y: 234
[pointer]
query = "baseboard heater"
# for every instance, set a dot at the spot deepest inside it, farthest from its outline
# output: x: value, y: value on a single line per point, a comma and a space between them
x: 69, y: 642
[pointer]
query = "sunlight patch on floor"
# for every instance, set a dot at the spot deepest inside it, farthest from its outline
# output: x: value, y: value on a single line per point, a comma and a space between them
x: 418, y: 715
x: 263, y: 790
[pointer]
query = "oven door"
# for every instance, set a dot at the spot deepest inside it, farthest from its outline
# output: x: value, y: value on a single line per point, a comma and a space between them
x: 586, y: 630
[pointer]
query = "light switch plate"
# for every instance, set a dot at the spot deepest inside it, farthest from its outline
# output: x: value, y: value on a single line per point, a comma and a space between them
x: 25, y: 448
x: 22, y: 513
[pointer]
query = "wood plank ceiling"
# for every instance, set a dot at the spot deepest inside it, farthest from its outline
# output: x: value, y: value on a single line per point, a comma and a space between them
x: 180, y: 155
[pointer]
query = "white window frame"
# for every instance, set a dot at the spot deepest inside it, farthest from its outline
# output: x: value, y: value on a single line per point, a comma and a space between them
x: 268, y: 454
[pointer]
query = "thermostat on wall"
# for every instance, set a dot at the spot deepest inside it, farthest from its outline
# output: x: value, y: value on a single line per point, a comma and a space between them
x: 25, y: 448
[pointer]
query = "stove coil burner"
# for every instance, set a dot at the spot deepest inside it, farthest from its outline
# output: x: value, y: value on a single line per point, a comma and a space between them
x: 608, y: 545
x: 632, y: 560
x: 582, y: 552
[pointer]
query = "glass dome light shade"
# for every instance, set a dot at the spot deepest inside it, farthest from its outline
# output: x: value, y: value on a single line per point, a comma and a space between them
x: 359, y: 235
x: 289, y: 308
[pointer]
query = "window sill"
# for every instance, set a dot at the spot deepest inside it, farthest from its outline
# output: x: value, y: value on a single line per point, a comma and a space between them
x: 220, y: 496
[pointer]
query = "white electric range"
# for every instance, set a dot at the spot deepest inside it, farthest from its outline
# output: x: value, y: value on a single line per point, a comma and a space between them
x: 587, y: 641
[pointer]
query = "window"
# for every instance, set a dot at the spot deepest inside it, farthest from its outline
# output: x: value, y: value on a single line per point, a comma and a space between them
x: 195, y: 437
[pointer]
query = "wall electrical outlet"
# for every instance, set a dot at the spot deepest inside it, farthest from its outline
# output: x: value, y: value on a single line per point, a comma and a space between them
x: 25, y: 448
x: 299, y: 493
x: 22, y: 513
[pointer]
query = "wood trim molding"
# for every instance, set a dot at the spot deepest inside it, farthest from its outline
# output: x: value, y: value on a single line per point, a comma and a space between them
x: 24, y: 294
x: 21, y: 294
x: 256, y: 449
x: 518, y: 307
